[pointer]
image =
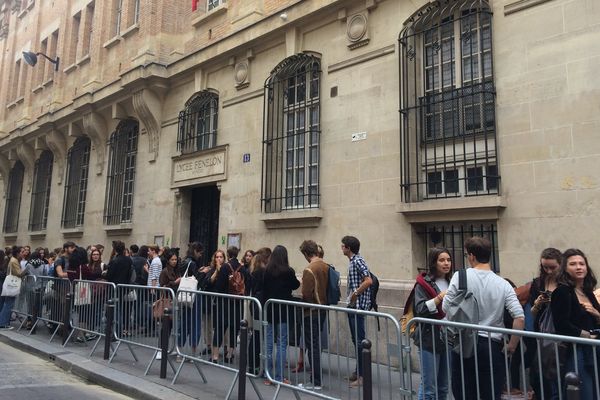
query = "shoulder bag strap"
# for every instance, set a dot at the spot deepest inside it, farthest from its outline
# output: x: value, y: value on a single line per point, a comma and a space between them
x: 316, y: 285
x: 462, y: 279
x: 185, y: 275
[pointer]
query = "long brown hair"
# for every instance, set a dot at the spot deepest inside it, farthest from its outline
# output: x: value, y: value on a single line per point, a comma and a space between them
x: 260, y: 259
x: 213, y: 262
x: 589, y: 282
x: 432, y: 258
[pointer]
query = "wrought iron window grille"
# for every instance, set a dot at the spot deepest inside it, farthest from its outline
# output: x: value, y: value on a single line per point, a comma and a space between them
x: 448, y: 121
x: 78, y: 160
x: 198, y: 123
x: 291, y: 139
x: 13, y: 198
x: 40, y: 194
x: 120, y: 180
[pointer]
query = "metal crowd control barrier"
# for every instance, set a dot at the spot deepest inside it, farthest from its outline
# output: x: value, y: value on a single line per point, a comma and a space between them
x: 25, y: 301
x: 314, y: 328
x: 54, y: 297
x: 135, y: 323
x: 212, y: 321
x: 88, y: 310
x: 539, y: 365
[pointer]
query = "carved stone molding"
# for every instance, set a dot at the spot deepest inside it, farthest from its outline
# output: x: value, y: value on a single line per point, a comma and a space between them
x: 241, y: 74
x: 57, y: 143
x: 95, y: 127
x: 26, y: 154
x: 357, y: 31
x: 148, y: 109
x: 4, y: 171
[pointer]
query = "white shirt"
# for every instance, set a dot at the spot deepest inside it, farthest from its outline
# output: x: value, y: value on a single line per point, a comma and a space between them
x: 154, y: 271
x: 493, y: 293
x: 442, y: 284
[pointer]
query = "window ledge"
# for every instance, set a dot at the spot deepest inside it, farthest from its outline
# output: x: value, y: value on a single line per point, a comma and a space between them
x: 30, y: 5
x: 19, y: 100
x: 130, y: 31
x: 70, y: 68
x: 222, y: 9
x: 48, y: 82
x: 83, y: 60
x: 11, y: 105
x: 22, y: 13
x: 307, y: 218
x: 72, y: 232
x: 118, y: 230
x: 112, y: 42
x: 37, y: 235
x: 38, y: 88
x: 520, y: 5
x: 454, y: 209
x: 11, y: 237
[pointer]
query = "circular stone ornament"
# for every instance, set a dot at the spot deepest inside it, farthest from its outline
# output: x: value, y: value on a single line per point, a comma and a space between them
x: 241, y: 72
x: 357, y: 27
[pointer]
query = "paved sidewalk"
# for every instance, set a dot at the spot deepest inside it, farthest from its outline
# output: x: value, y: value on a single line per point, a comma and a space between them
x: 126, y: 376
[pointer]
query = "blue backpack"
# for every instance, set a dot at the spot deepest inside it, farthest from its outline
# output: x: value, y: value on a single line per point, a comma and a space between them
x: 334, y: 293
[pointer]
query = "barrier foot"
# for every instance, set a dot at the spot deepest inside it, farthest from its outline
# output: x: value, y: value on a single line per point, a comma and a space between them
x: 258, y: 394
x: 31, y: 332
x: 230, y: 391
x: 55, y: 331
x: 114, y: 353
x: 197, y: 365
x: 68, y: 338
x: 100, y: 337
x: 177, y: 372
x: 151, y: 362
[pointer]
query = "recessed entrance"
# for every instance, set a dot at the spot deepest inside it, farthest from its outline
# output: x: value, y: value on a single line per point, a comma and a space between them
x: 204, y: 219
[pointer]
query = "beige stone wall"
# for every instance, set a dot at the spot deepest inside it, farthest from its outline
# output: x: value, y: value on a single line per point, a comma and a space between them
x: 545, y: 58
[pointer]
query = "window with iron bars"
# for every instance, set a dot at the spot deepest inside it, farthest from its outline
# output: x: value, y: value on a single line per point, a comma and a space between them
x: 78, y: 161
x: 210, y: 4
x: 198, y: 123
x: 120, y: 180
x: 13, y: 198
x: 292, y: 131
x: 453, y: 236
x: 448, y: 122
x: 40, y: 195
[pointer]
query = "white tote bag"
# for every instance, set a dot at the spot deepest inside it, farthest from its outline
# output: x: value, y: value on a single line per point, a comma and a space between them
x: 187, y: 283
x: 12, y: 285
x: 83, y: 295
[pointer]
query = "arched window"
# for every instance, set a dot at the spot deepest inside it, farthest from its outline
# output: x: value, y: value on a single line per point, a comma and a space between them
x: 120, y: 180
x: 40, y: 195
x: 198, y: 123
x: 291, y: 138
x: 78, y: 161
x: 13, y: 198
x: 448, y: 122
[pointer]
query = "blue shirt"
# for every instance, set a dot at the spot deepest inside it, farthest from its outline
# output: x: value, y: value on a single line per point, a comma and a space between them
x: 357, y: 271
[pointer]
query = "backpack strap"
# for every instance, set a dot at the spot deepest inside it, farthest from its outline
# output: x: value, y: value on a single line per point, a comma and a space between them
x: 186, y: 269
x: 316, y: 285
x: 462, y: 279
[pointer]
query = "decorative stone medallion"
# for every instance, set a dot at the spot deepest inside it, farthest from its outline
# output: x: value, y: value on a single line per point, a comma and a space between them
x: 357, y: 31
x: 241, y: 74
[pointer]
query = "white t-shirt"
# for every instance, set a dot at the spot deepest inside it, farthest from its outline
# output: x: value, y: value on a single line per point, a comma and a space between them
x: 154, y: 271
x: 493, y: 293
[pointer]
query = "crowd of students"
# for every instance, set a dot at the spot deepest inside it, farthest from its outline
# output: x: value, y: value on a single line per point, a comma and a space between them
x: 264, y: 275
x: 561, y: 300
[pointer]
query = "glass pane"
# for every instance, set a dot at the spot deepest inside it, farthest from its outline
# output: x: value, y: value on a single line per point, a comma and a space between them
x: 492, y: 177
x: 434, y: 183
x: 475, y: 179
x: 451, y: 181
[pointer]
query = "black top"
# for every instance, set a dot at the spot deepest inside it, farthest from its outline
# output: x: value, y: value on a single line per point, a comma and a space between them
x: 279, y: 287
x: 141, y: 276
x: 537, y: 286
x: 119, y: 270
x: 569, y: 316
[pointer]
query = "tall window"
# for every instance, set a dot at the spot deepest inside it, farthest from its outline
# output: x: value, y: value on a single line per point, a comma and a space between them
x: 40, y: 195
x: 453, y: 236
x: 88, y: 29
x: 76, y: 23
x: 198, y: 123
x: 448, y: 102
x: 13, y: 198
x: 292, y: 116
x: 118, y: 204
x: 78, y: 161
x: 213, y: 4
x: 117, y: 16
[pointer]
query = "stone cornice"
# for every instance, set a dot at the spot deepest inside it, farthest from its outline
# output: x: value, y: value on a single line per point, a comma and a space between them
x: 57, y: 143
x: 148, y: 109
x: 26, y: 154
x: 95, y: 127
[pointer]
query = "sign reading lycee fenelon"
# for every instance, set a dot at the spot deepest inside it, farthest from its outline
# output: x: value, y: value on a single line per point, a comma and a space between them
x: 201, y: 166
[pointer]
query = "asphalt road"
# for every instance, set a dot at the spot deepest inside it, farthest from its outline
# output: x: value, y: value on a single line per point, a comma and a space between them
x: 24, y: 376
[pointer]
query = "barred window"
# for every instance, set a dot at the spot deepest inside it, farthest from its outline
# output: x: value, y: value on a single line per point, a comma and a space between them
x: 40, y: 195
x: 78, y: 161
x: 120, y: 180
x: 292, y: 131
x: 453, y: 236
x: 210, y: 4
x: 13, y: 198
x: 448, y: 122
x: 198, y: 123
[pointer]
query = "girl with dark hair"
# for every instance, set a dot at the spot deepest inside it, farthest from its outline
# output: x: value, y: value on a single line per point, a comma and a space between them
x: 257, y: 269
x: 279, y: 282
x: 429, y: 293
x: 576, y: 312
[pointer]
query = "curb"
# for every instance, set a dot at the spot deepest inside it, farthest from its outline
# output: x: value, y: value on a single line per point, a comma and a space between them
x: 115, y: 380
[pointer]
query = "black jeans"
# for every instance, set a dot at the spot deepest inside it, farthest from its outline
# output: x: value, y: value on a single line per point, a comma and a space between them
x: 313, y: 323
x: 484, y: 369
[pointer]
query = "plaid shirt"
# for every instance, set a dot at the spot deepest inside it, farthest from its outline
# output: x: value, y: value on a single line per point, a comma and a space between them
x: 357, y: 271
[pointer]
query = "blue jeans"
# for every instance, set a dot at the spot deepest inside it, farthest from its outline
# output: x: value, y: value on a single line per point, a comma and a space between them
x: 585, y: 370
x: 434, y: 375
x: 282, y: 341
x: 6, y: 305
x: 190, y: 321
x: 357, y: 330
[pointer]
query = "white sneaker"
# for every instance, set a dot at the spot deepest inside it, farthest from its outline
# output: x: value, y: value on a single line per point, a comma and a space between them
x: 309, y: 386
x: 6, y: 328
x: 159, y: 355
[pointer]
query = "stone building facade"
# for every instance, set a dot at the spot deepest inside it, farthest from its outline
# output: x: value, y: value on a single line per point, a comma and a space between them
x: 404, y: 122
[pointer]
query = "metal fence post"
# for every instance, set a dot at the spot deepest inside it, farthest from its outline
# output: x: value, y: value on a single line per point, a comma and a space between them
x: 108, y: 328
x: 164, y: 342
x: 243, y: 360
x: 37, y: 308
x: 366, y: 372
x: 572, y: 380
x: 66, y: 318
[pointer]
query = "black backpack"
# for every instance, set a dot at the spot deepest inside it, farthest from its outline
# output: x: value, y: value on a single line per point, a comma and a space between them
x: 374, y: 291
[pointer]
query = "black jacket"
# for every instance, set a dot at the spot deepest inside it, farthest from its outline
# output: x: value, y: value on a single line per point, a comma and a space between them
x: 279, y: 287
x: 119, y: 270
x: 425, y: 338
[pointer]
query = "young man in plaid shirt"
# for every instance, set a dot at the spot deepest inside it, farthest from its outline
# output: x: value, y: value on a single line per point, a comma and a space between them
x: 359, y: 297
